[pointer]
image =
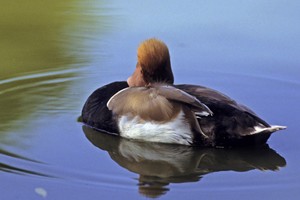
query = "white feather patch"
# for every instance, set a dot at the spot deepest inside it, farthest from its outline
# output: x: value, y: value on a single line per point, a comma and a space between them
x: 176, y: 131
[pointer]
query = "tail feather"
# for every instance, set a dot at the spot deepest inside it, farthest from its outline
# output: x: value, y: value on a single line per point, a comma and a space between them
x: 271, y: 129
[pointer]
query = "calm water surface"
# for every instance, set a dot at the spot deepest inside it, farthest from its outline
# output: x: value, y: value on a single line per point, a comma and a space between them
x: 54, y: 54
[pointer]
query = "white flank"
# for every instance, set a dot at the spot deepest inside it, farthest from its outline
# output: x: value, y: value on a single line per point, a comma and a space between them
x: 175, y: 131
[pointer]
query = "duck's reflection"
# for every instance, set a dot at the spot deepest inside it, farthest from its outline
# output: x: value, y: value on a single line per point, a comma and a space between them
x: 161, y: 164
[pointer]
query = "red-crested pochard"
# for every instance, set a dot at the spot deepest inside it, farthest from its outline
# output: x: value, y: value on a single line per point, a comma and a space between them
x: 148, y: 107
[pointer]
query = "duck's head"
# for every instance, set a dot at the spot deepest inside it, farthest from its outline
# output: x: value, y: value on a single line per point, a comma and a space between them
x: 153, y: 64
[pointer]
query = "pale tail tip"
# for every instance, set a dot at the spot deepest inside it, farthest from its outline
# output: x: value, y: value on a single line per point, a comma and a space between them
x: 277, y: 128
x: 271, y: 129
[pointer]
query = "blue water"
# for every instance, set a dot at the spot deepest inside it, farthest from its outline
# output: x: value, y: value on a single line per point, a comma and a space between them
x: 248, y: 50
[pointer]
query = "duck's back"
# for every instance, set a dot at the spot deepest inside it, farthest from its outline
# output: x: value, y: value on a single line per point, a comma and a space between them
x: 158, y: 113
x: 232, y: 124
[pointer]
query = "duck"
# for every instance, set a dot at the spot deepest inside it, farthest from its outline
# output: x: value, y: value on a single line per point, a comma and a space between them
x: 149, y: 107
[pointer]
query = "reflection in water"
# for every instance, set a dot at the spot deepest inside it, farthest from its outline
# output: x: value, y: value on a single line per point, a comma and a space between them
x: 29, y: 36
x: 42, y: 48
x: 29, y: 97
x: 159, y: 164
x: 42, y: 35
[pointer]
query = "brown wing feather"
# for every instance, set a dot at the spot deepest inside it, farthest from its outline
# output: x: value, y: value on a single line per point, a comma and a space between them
x: 178, y: 95
x: 158, y: 103
x: 144, y: 102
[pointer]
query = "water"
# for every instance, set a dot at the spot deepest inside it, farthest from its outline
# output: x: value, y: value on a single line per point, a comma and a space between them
x: 53, y: 55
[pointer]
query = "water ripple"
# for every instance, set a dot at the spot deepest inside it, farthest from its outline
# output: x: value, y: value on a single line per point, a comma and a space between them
x: 37, y: 79
x: 27, y: 167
